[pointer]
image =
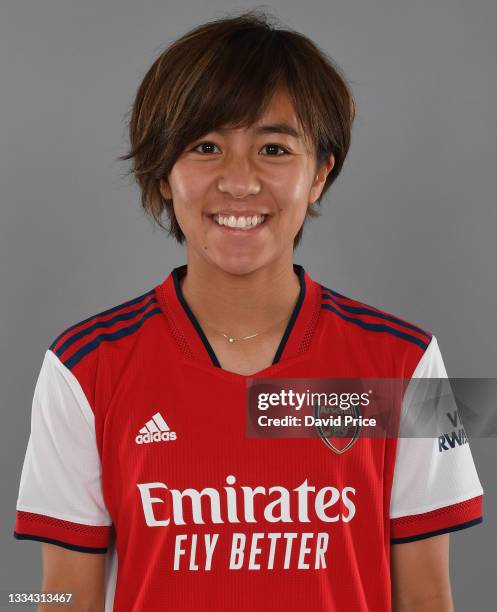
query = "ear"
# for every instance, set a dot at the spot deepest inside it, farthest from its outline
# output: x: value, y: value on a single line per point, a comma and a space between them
x: 165, y: 190
x: 320, y: 179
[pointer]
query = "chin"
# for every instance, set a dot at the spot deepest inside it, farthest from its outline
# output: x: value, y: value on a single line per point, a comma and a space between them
x: 239, y: 266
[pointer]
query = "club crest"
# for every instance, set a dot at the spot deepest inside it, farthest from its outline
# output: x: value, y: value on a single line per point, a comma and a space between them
x: 337, y: 436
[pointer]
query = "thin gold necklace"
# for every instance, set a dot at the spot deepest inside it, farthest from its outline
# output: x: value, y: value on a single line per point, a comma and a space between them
x: 232, y: 339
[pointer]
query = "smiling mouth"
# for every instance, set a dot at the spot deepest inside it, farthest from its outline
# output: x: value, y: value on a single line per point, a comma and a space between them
x: 244, y: 223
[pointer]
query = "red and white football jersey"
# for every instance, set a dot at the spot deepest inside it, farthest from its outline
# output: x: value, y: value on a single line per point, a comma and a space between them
x: 138, y: 450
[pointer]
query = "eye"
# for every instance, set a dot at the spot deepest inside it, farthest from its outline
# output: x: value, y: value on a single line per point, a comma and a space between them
x: 211, y: 144
x: 285, y: 152
x: 203, y: 144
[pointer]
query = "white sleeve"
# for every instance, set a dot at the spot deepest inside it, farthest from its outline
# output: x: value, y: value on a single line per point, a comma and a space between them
x: 60, y: 495
x: 435, y: 485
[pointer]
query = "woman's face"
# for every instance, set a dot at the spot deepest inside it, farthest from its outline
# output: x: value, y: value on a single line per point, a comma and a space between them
x: 246, y: 172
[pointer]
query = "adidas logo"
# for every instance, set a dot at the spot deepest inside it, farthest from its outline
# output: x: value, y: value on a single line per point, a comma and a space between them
x: 155, y: 430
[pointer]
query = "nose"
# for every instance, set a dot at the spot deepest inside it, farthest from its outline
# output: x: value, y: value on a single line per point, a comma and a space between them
x: 238, y: 178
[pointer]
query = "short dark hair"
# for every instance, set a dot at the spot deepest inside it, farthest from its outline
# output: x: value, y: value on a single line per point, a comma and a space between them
x: 224, y: 73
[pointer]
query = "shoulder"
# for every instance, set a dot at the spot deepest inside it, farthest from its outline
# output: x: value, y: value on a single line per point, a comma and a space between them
x: 76, y: 344
x: 378, y: 332
x: 373, y: 320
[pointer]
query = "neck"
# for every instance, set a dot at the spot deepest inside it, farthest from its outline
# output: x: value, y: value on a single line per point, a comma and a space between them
x: 241, y: 304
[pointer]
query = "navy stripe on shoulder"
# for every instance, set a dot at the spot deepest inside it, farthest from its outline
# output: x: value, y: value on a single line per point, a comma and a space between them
x: 108, y: 337
x: 124, y: 316
x: 377, y: 327
x: 87, y: 549
x: 369, y: 310
x: 101, y: 314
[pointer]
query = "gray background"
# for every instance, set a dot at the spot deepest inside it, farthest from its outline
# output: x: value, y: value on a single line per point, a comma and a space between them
x: 409, y: 227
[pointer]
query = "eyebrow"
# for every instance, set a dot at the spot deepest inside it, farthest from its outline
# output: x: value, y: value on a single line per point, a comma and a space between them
x: 272, y: 128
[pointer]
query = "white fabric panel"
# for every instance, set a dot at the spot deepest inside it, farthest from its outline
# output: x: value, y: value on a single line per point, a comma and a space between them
x: 424, y: 478
x: 61, y: 474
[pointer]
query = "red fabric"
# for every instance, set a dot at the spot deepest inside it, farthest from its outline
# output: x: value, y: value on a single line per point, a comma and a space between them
x: 160, y: 364
x: 76, y: 534
x: 442, y: 518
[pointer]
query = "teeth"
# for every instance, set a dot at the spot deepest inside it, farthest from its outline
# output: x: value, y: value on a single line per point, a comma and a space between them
x: 240, y: 222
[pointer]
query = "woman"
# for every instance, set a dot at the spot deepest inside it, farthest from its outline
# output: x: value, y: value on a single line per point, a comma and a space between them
x: 138, y: 445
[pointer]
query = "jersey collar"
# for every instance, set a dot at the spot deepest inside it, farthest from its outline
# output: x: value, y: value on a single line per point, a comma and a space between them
x: 192, y: 341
